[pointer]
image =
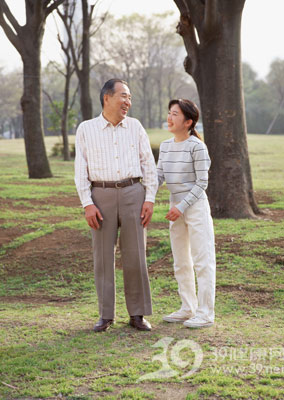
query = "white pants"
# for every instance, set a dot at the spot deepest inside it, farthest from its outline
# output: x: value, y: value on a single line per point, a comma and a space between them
x: 192, y: 242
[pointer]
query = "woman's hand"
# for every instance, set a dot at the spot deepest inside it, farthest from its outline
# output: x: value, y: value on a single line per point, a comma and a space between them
x: 173, y: 214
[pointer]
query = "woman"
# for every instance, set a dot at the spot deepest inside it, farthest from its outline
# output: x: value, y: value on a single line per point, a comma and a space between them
x: 184, y: 163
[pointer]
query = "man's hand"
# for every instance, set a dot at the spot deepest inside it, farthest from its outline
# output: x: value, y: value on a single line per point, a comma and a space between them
x: 93, y: 215
x: 173, y: 214
x: 146, y: 213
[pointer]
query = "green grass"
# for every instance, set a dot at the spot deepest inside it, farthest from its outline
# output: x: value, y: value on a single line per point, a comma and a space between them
x: 48, y: 304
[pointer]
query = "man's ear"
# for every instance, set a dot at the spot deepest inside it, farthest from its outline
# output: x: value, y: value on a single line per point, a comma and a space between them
x: 106, y: 98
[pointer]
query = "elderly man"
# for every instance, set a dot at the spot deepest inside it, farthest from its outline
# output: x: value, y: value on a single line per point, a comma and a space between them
x: 116, y: 180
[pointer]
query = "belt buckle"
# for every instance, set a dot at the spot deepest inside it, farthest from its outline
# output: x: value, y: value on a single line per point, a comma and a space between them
x: 116, y: 185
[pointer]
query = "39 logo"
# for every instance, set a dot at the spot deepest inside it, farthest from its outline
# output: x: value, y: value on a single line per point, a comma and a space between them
x: 171, y: 355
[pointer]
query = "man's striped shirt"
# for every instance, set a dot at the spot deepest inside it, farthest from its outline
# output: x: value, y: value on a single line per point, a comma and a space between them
x: 112, y: 153
x: 184, y: 166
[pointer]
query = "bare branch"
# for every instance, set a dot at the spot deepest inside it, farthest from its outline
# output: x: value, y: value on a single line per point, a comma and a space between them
x: 55, y: 66
x: 53, y: 6
x: 196, y: 11
x: 39, y: 12
x: 186, y: 29
x: 103, y: 18
x: 6, y: 10
x: 72, y: 47
x: 74, y: 97
x: 97, y: 63
x: 182, y: 6
x: 91, y: 12
x: 45, y: 3
x: 53, y: 105
x: 14, y: 39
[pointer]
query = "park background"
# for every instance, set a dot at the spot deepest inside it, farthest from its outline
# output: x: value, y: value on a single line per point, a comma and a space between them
x: 47, y: 300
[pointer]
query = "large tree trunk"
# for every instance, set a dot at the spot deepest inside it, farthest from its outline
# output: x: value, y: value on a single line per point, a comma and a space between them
x: 219, y: 83
x: 31, y: 103
x: 27, y: 40
x: 215, y: 64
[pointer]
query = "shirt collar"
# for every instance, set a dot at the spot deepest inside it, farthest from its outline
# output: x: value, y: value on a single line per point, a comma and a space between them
x: 105, y: 123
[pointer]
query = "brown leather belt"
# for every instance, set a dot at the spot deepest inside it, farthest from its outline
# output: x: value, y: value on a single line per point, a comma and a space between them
x: 117, y: 185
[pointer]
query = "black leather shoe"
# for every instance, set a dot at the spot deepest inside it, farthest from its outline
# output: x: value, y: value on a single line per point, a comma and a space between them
x: 103, y: 324
x: 140, y: 323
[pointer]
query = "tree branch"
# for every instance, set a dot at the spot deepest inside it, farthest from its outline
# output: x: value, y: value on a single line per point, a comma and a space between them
x: 186, y: 29
x: 45, y: 3
x: 182, y: 6
x: 74, y: 98
x: 53, y: 6
x: 39, y: 12
x: 13, y: 38
x: 91, y: 13
x: 69, y: 33
x: 68, y: 30
x: 6, y: 10
x: 103, y: 18
x: 55, y: 66
x: 53, y: 105
x: 196, y: 10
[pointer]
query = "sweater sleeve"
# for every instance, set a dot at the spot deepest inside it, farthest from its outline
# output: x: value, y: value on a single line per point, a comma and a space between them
x: 201, y: 164
x: 160, y: 171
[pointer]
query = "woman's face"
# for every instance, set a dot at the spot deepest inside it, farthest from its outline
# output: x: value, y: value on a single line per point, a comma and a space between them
x: 176, y: 120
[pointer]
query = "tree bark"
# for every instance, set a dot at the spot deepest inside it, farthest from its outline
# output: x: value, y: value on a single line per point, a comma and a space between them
x: 215, y: 64
x: 64, y: 119
x: 31, y: 103
x: 86, y: 101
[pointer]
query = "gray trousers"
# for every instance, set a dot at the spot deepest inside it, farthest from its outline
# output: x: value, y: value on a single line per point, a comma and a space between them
x: 121, y: 208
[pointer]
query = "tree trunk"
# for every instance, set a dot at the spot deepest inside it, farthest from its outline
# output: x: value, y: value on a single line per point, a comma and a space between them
x: 215, y: 65
x: 160, y: 101
x: 64, y: 119
x: 31, y: 103
x: 144, y: 100
x: 27, y: 40
x: 85, y: 97
x: 84, y: 75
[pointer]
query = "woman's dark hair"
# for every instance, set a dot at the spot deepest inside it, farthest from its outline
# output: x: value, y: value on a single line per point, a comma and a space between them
x: 190, y: 111
x: 108, y: 88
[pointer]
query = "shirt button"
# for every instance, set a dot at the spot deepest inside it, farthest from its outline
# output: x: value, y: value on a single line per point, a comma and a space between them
x: 115, y: 143
x: 116, y: 157
x: 118, y: 172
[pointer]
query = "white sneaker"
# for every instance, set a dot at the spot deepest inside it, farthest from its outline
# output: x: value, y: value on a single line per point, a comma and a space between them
x: 178, y: 316
x: 197, y: 322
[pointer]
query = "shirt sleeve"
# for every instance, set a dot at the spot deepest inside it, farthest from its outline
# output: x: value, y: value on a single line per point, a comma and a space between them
x: 148, y: 166
x: 160, y: 171
x: 83, y: 184
x: 201, y: 165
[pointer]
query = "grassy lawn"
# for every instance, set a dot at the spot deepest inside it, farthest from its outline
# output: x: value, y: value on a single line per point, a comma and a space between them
x: 48, y: 304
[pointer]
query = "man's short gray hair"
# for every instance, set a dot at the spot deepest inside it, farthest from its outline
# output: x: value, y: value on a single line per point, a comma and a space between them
x: 108, y: 88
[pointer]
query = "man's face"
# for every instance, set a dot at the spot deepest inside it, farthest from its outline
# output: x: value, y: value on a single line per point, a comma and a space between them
x: 118, y: 104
